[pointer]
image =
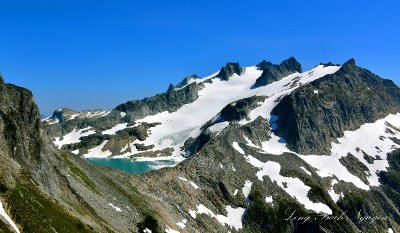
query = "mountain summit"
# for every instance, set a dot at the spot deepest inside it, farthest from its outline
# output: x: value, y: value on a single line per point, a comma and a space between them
x: 264, y: 148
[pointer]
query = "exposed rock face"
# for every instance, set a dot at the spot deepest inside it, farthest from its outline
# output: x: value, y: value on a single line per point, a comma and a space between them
x: 240, y: 109
x: 187, y: 80
x: 169, y: 101
x: 272, y: 73
x: 315, y: 114
x: 45, y: 190
x: 229, y: 69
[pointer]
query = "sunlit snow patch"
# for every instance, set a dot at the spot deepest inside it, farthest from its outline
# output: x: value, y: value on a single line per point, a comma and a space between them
x: 335, y: 197
x: 306, y: 171
x: 233, y: 218
x: 238, y: 148
x: 7, y: 218
x: 115, y: 129
x: 268, y: 199
x: 97, y: 152
x: 182, y: 224
x: 170, y: 230
x: 195, y: 186
x: 247, y: 188
x: 115, y: 207
x: 293, y: 186
x: 73, y: 136
x: 372, y: 139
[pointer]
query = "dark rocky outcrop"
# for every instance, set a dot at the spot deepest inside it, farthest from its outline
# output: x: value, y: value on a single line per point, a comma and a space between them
x: 229, y: 69
x: 240, y: 109
x: 272, y: 73
x: 187, y: 80
x: 345, y: 100
x: 169, y: 101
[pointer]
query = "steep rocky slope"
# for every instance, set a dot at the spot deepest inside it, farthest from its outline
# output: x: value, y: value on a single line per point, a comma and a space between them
x: 45, y: 190
x: 311, y: 117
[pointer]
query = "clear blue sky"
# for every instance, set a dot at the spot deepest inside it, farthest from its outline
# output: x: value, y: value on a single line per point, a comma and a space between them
x: 96, y: 54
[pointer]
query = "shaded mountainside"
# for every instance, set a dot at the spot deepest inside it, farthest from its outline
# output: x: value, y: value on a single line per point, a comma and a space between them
x: 272, y: 73
x: 168, y: 101
x: 46, y: 190
x: 311, y: 117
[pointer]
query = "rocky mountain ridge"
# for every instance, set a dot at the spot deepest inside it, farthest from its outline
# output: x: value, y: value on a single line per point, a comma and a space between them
x: 240, y: 169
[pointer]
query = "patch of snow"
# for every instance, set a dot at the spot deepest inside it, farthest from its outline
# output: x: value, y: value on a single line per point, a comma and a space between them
x: 7, y: 218
x: 390, y: 230
x: 235, y: 192
x: 75, y: 151
x: 46, y: 118
x: 285, y: 86
x: 275, y: 145
x: 329, y: 166
x: 233, y: 168
x: 233, y: 218
x: 73, y: 116
x: 249, y: 142
x: 193, y: 213
x: 122, y: 114
x: 159, y: 166
x: 238, y: 148
x: 247, y: 188
x: 115, y: 129
x: 51, y: 121
x: 335, y: 197
x: 371, y: 138
x: 293, y: 186
x: 184, y: 179
x: 315, y: 91
x: 97, y: 152
x: 195, y: 186
x: 73, y: 136
x: 170, y: 230
x: 306, y: 171
x: 159, y: 158
x: 367, y: 138
x: 101, y: 113
x: 146, y: 230
x: 182, y: 223
x: 268, y: 199
x: 217, y: 128
x: 115, y: 207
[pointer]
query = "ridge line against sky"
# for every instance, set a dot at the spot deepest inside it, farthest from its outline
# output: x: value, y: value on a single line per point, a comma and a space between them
x: 93, y: 54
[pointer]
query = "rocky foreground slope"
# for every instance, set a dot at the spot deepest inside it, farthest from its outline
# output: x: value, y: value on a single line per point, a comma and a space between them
x: 268, y: 148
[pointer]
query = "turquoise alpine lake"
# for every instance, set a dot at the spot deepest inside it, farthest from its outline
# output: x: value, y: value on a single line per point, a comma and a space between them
x: 131, y: 165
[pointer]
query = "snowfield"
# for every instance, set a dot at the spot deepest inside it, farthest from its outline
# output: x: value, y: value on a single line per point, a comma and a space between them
x: 73, y: 136
x: 372, y: 139
x: 233, y: 218
x: 177, y: 127
x: 97, y: 152
x: 115, y: 129
x: 293, y: 186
